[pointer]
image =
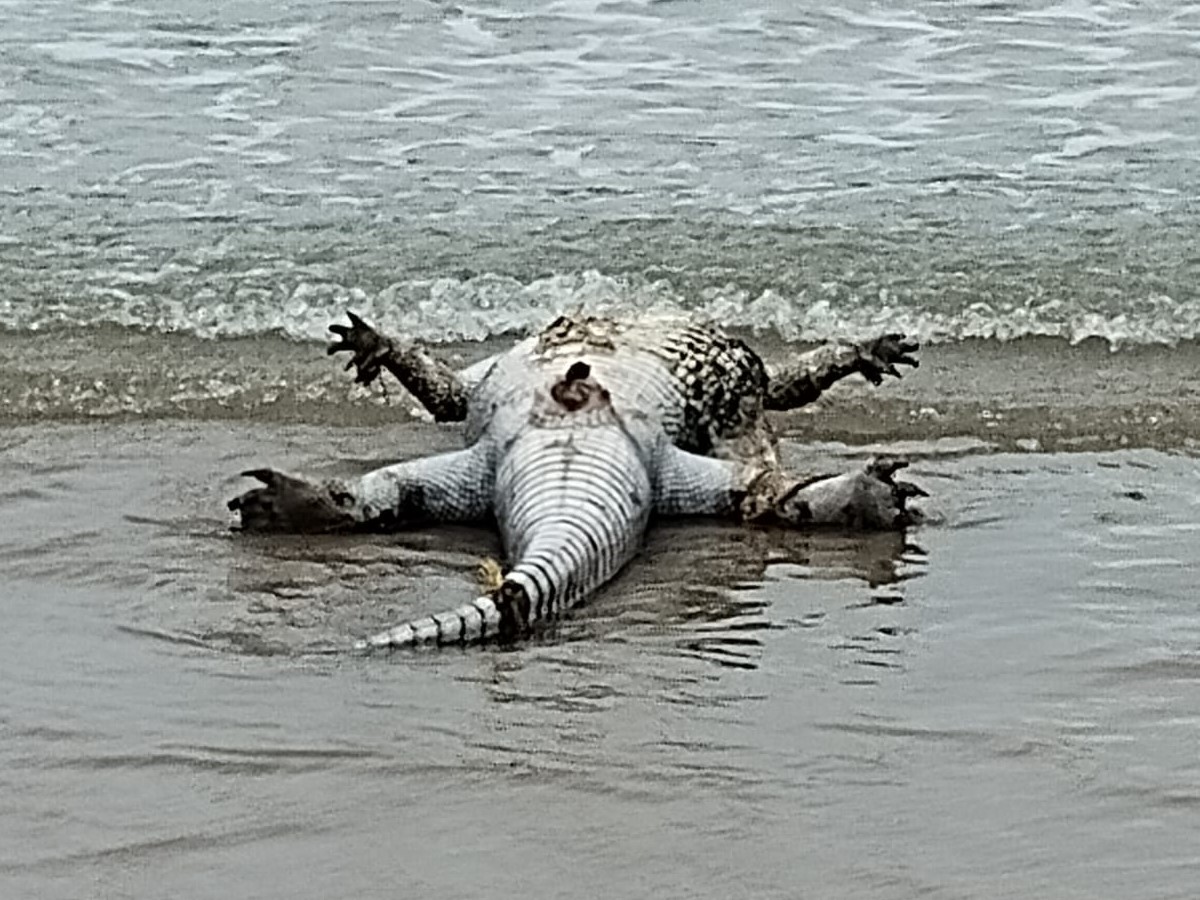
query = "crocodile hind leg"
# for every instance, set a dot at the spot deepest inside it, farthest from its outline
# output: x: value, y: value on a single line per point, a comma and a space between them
x: 440, y: 389
x: 687, y: 484
x: 449, y: 487
x: 804, y: 380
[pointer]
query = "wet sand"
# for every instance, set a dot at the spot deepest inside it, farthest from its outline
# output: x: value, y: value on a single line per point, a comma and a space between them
x: 1000, y: 705
x: 1034, y: 393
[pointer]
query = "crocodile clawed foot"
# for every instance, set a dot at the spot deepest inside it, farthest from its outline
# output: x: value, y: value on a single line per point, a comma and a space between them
x: 869, y: 499
x: 288, y: 503
x: 881, y: 356
x: 366, y: 346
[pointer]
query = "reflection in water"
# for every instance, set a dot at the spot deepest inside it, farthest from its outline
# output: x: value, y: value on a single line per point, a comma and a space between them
x: 314, y: 594
x: 705, y: 578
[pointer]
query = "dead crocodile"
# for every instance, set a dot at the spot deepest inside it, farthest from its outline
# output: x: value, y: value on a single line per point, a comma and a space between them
x: 575, y: 438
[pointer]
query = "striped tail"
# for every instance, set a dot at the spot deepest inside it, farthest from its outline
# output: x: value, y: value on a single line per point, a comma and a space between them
x: 572, y: 531
x: 573, y: 497
x: 477, y: 621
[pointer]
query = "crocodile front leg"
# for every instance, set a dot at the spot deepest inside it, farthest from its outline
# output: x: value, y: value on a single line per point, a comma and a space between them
x: 868, y: 499
x: 438, y: 387
x: 450, y: 487
x: 804, y: 380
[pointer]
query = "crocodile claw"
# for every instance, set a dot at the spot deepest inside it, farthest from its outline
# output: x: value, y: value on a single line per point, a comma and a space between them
x: 885, y: 467
x: 880, y: 356
x: 367, y: 348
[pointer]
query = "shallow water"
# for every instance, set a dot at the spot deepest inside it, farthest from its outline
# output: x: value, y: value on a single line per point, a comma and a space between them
x: 1002, y: 705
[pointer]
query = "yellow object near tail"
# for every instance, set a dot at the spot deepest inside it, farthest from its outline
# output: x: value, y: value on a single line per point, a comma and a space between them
x: 490, y: 575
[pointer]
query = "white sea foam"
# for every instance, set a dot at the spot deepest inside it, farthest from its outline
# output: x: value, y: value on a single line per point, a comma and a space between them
x: 456, y: 309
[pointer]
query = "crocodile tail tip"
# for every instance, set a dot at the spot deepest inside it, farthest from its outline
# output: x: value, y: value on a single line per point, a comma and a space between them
x: 470, y: 623
x: 391, y: 639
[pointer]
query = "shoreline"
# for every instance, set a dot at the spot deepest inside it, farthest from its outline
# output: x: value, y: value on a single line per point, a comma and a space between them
x: 1034, y: 394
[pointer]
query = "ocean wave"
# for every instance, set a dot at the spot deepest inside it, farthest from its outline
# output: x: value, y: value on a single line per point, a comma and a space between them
x: 446, y: 309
